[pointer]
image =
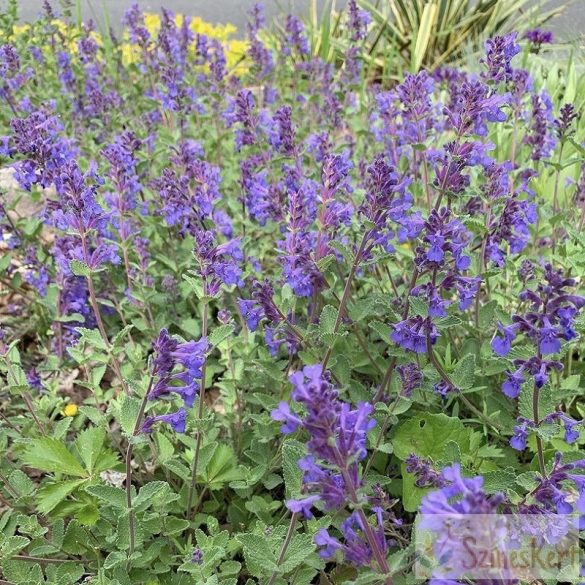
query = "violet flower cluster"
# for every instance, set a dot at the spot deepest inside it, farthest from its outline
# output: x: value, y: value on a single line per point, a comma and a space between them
x: 337, y: 443
x: 548, y: 321
x: 178, y: 369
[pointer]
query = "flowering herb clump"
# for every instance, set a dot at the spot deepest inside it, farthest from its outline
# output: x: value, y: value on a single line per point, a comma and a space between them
x: 364, y: 288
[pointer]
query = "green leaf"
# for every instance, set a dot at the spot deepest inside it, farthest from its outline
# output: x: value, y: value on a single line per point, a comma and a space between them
x: 21, y: 483
x: 498, y: 481
x: 115, y: 559
x: 300, y: 547
x: 423, y: 34
x: 12, y: 545
x: 418, y: 306
x: 175, y: 525
x: 89, y: 445
x: 220, y: 334
x: 148, y: 493
x: 382, y: 329
x: 260, y: 556
x: 293, y: 475
x: 411, y: 493
x: 52, y: 456
x: 222, y: 468
x: 80, y: 268
x: 428, y: 434
x: 119, y: 337
x: 92, y: 337
x: 109, y: 494
x: 327, y: 319
x: 129, y: 408
x: 463, y: 375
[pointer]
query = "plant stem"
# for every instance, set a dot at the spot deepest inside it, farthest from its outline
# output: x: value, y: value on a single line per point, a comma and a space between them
x: 287, y: 540
x: 445, y: 377
x: 30, y: 407
x: 98, y: 316
x: 369, y: 534
x: 346, y: 293
x: 27, y: 399
x: 556, y: 192
x: 536, y: 416
x: 390, y: 370
x: 200, y: 416
x: 137, y: 425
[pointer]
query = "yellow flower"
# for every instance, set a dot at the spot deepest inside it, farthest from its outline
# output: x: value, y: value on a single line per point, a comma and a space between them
x: 70, y: 410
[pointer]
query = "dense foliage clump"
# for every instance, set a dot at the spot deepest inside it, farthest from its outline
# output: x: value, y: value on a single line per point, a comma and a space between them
x: 260, y: 316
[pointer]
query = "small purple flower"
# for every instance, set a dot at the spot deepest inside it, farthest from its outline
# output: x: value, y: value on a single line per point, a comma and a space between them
x: 284, y: 414
x: 197, y: 556
x: 500, y: 50
x: 358, y: 21
x: 177, y: 420
x: 513, y: 385
x: 328, y: 545
x: 34, y: 380
x: 538, y: 37
x: 502, y: 345
x: 303, y: 506
x: 518, y: 440
x: 411, y: 378
x: 569, y: 425
x: 189, y: 357
x: 412, y: 333
x: 252, y: 313
x: 426, y: 475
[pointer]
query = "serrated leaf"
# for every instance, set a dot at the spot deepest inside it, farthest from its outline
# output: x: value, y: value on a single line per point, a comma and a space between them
x: 220, y: 334
x: 418, y: 306
x: 300, y: 547
x: 129, y: 408
x: 92, y: 337
x: 428, y: 434
x: 109, y: 494
x: 463, y: 375
x: 362, y: 308
x: 148, y: 493
x: 52, y: 456
x: 89, y: 445
x: 21, y: 483
x: 327, y: 319
x: 12, y: 545
x: 293, y: 475
x: 260, y: 556
x: 451, y: 453
x: 115, y: 559
x: 79, y: 268
x: 498, y: 481
x: 382, y: 329
x: 119, y: 337
x: 52, y: 494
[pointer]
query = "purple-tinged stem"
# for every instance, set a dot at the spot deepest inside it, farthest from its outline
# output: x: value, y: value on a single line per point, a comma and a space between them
x: 287, y: 540
x: 199, y: 415
x: 536, y: 416
x: 98, y: 316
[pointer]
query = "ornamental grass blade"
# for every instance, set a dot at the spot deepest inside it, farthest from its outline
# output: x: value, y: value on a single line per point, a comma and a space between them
x: 423, y: 35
